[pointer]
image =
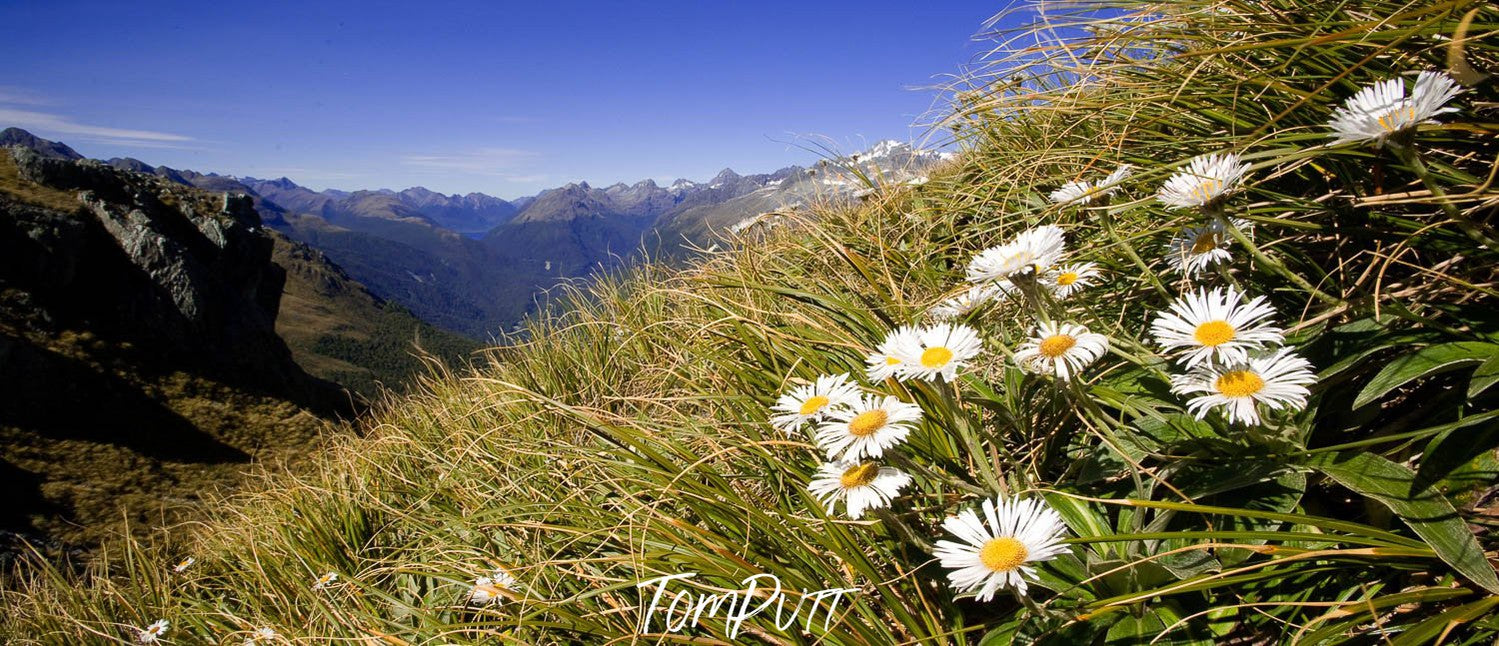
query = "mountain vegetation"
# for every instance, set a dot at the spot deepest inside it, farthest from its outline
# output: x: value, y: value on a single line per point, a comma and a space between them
x: 137, y: 349
x: 337, y: 330
x: 476, y: 265
x: 1240, y: 392
x: 155, y: 339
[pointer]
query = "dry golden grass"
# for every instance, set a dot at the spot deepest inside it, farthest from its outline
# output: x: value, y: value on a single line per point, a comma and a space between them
x: 627, y: 438
x: 30, y: 192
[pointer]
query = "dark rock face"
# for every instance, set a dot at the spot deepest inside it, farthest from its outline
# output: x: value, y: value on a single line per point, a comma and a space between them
x: 159, y: 267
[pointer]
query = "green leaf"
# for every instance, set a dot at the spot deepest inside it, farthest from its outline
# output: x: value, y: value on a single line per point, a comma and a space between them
x: 1451, y: 451
x: 1424, y: 362
x: 1485, y: 375
x: 1150, y: 628
x: 1004, y: 633
x: 1430, y: 629
x: 1079, y: 516
x: 1430, y: 515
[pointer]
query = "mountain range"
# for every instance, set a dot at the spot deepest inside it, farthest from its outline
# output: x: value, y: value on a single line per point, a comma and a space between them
x: 208, y: 320
x: 155, y: 337
x: 477, y: 264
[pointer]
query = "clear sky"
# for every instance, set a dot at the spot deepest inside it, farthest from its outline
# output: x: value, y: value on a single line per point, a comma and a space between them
x: 506, y: 98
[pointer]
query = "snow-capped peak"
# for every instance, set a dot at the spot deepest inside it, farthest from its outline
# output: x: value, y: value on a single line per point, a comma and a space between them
x: 886, y: 148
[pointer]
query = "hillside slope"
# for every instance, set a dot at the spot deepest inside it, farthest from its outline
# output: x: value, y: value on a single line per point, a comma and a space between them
x: 138, y: 357
x: 337, y: 330
x: 156, y: 339
x: 1333, y: 484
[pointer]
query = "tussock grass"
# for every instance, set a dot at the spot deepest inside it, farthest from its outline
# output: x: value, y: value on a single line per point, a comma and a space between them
x: 626, y: 439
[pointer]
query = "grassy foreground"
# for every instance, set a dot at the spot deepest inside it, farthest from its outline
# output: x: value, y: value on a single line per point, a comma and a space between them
x: 628, y: 440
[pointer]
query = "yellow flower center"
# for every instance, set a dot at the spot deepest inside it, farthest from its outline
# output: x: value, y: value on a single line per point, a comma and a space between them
x: 867, y: 422
x: 892, y: 361
x: 1214, y: 333
x: 1067, y: 278
x: 814, y: 404
x: 935, y: 357
x: 1056, y: 345
x: 859, y: 476
x: 1003, y: 554
x: 1205, y: 242
x: 1390, y: 120
x: 1239, y: 383
x: 1020, y: 260
x: 1208, y: 188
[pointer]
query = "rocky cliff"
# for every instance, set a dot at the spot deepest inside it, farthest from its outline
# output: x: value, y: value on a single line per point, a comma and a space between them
x: 180, y: 273
x: 139, y: 361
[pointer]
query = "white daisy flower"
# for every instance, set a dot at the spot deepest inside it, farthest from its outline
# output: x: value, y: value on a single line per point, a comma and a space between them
x: 876, y: 423
x: 1382, y: 109
x: 184, y: 564
x: 860, y: 486
x: 1085, y: 193
x: 325, y: 581
x: 1072, y: 192
x: 809, y: 403
x: 1066, y: 280
x: 995, y: 555
x: 939, y: 351
x: 264, y: 634
x: 153, y: 632
x: 970, y: 299
x: 1277, y: 380
x: 1216, y: 326
x: 1033, y: 250
x: 1205, y: 180
x: 1108, y: 185
x: 491, y: 589
x: 1195, y: 249
x: 1063, y: 350
x: 882, y: 364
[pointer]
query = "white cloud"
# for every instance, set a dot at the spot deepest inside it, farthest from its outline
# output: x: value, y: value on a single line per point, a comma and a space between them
x: 496, y: 162
x: 526, y: 179
x: 21, y: 96
x: 56, y: 123
x: 490, y: 162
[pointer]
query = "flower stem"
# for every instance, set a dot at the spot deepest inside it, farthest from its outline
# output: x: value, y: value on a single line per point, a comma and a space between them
x: 1412, y: 159
x: 1129, y: 252
x: 1265, y: 261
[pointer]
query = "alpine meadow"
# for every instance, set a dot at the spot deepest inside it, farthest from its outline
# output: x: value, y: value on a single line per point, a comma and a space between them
x: 1195, y: 341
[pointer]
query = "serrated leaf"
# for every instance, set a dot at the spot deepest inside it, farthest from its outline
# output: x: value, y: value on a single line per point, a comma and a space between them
x: 1422, y: 363
x: 1430, y: 515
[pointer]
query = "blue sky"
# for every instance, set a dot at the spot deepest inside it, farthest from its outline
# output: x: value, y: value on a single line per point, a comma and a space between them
x: 505, y: 98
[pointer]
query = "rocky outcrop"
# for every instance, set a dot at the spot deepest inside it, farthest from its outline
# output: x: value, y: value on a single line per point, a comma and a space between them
x: 183, y: 274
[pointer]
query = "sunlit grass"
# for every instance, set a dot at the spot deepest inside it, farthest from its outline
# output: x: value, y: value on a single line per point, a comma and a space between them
x: 627, y: 439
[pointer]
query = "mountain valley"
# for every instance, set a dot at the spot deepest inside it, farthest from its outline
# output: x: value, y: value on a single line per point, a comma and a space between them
x: 477, y: 265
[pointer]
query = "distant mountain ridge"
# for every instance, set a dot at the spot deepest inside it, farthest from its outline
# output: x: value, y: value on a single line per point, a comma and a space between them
x: 43, y: 147
x: 477, y: 264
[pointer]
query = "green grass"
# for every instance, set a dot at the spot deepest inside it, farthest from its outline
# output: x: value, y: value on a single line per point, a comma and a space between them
x: 627, y: 439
